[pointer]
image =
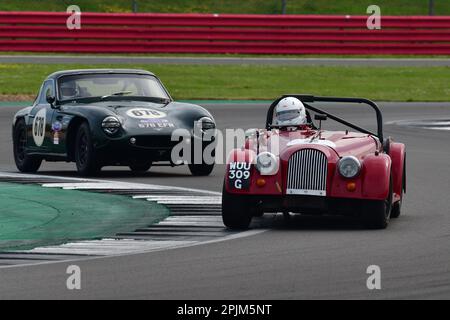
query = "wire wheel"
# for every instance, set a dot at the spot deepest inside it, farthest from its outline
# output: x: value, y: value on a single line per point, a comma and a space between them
x: 24, y: 162
x: 83, y: 149
x: 21, y: 145
x: 85, y: 155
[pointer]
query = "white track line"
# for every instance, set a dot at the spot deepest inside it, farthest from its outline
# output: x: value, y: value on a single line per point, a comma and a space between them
x: 114, y: 247
x: 110, y: 247
x: 127, y: 184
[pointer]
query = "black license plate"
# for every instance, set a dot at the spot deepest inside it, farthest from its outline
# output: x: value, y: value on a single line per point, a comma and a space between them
x: 239, y: 175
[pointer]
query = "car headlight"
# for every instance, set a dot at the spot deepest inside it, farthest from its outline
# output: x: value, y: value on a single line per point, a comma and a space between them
x: 267, y: 164
x: 111, y: 125
x: 349, y: 167
x: 205, y: 124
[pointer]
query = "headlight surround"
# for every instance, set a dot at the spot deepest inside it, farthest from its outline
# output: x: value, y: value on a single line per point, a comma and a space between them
x: 349, y: 167
x: 205, y: 124
x: 267, y: 164
x: 111, y: 125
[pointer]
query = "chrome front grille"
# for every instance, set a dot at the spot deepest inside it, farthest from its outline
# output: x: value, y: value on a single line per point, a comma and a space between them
x: 307, y: 173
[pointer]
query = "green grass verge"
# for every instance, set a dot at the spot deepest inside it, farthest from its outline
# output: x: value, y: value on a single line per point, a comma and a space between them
x: 33, y: 216
x: 389, y: 7
x: 243, y: 82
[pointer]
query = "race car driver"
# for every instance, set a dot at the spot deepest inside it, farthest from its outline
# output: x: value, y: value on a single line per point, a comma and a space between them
x: 68, y: 90
x: 290, y: 112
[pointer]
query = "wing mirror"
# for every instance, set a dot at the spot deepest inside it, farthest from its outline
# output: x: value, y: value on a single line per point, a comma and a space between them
x: 320, y: 117
x: 51, y: 100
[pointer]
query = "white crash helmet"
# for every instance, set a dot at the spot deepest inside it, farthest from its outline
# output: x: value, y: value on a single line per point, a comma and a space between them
x: 290, y: 112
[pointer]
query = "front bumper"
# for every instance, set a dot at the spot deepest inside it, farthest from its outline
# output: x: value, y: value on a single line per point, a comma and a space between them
x: 145, y: 148
x: 309, y: 205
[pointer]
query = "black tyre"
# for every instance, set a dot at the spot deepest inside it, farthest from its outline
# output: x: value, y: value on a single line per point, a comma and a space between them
x: 24, y: 162
x: 201, y: 170
x: 140, y: 167
x: 378, y: 213
x: 397, y: 207
x: 236, y: 211
x: 85, y: 157
x: 396, y: 210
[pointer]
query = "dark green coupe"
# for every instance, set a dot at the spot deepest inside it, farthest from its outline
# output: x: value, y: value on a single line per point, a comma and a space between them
x: 99, y: 118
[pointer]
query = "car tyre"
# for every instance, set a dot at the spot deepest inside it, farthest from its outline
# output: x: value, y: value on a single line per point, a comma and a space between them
x: 201, y: 170
x: 24, y: 162
x: 85, y: 157
x: 397, y: 207
x: 378, y: 213
x: 396, y: 210
x: 236, y: 211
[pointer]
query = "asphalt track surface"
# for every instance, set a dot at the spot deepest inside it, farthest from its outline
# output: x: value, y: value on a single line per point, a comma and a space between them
x: 305, y: 259
x: 380, y: 62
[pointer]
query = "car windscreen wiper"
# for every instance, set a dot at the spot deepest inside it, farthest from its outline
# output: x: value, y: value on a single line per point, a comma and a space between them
x: 160, y: 100
x: 117, y: 94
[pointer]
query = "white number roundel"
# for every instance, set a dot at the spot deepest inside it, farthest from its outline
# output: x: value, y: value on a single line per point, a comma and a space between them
x: 39, y: 127
x: 145, y: 114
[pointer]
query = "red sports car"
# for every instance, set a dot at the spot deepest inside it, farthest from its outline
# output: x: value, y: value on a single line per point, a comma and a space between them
x: 293, y: 166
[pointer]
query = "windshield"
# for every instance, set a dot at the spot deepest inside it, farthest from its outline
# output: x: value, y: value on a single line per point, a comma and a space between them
x: 109, y: 85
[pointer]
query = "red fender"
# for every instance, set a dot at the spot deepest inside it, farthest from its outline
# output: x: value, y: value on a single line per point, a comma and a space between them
x: 398, y: 156
x: 376, y: 173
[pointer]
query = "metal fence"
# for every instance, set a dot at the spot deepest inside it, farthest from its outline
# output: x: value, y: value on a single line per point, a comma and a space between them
x: 212, y: 33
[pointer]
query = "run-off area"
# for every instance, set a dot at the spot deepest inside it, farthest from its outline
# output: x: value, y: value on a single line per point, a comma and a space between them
x: 31, y: 215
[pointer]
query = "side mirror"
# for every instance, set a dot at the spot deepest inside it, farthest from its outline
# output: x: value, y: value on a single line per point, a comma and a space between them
x: 51, y: 100
x: 321, y: 117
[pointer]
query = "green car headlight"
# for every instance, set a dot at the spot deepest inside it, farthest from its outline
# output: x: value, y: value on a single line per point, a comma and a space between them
x: 111, y: 125
x: 206, y: 124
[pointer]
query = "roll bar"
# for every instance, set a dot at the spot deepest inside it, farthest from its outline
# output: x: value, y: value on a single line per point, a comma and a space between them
x: 310, y: 99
